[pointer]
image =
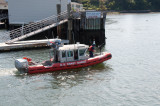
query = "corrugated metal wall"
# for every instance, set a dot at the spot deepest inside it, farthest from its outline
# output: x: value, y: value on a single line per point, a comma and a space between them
x: 93, y: 24
x: 26, y: 11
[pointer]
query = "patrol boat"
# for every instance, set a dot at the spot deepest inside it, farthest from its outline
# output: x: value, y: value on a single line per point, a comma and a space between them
x: 65, y: 57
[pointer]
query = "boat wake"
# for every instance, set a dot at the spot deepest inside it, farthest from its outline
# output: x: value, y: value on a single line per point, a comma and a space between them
x: 5, y: 72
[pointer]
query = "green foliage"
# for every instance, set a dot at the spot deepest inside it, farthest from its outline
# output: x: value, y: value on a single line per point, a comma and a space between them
x: 121, y: 4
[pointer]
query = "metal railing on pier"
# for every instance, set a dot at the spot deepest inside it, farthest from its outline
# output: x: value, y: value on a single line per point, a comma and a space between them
x: 34, y: 28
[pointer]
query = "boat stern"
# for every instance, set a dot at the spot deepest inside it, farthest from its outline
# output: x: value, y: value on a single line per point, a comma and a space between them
x: 21, y: 65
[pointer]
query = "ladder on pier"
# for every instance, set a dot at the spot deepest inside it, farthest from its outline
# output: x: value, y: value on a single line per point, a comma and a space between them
x: 35, y: 28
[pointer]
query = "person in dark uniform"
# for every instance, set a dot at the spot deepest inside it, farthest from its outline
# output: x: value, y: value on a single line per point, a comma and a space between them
x: 91, y: 50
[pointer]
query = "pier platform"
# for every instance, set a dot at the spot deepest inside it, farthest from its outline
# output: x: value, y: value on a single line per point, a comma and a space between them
x: 20, y: 45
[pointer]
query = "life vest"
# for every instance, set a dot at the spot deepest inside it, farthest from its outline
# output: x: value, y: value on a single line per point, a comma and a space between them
x: 28, y: 59
x: 91, y: 48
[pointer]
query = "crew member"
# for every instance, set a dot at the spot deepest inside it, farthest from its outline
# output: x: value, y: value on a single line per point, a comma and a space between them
x: 91, y: 50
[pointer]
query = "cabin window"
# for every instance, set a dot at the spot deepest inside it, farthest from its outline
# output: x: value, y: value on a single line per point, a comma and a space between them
x: 82, y: 52
x: 70, y: 53
x: 78, y: 6
x: 63, y: 54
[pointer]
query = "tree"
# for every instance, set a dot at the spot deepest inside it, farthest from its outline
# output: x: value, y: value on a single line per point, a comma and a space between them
x: 121, y: 4
x: 102, y: 5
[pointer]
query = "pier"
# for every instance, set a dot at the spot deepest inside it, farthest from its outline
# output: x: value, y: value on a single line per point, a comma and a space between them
x: 21, y: 45
x: 32, y: 29
x: 83, y: 26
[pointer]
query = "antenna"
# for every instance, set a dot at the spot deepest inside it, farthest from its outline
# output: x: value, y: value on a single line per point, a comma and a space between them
x: 49, y: 51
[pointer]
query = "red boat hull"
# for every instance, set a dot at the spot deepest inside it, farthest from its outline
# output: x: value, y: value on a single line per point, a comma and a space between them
x: 70, y: 65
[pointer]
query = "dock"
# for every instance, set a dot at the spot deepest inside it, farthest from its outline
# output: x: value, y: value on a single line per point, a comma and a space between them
x: 81, y: 26
x: 21, y: 45
x: 37, y: 31
x: 37, y: 27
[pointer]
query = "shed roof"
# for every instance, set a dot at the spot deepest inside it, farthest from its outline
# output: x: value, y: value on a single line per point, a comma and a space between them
x: 76, y: 3
x: 2, y: 1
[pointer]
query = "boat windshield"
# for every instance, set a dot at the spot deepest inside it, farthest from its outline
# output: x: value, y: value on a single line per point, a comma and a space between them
x: 82, y: 52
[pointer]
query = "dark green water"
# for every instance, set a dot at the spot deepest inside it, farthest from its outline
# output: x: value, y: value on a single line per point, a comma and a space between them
x: 130, y: 78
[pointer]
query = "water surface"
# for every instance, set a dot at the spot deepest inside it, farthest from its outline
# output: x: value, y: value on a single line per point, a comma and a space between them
x: 130, y: 78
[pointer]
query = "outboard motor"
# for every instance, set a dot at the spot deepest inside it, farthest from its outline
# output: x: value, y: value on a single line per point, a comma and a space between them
x: 21, y: 65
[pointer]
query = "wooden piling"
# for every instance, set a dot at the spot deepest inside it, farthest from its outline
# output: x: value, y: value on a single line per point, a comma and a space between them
x: 69, y: 23
x: 59, y: 18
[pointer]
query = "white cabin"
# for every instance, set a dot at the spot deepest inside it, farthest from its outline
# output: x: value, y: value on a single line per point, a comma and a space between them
x: 72, y: 52
x: 28, y: 11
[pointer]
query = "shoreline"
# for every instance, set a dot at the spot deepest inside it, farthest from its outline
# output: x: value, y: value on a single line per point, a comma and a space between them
x: 130, y: 11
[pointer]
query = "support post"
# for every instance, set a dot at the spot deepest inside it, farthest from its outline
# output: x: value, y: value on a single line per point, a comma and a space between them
x: 59, y: 19
x: 104, y: 19
x: 58, y: 9
x: 69, y: 24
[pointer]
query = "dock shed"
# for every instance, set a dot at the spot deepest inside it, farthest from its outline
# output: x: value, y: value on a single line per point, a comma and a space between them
x: 28, y: 11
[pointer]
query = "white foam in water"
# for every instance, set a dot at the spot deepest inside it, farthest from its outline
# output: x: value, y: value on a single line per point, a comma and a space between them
x: 5, y: 72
